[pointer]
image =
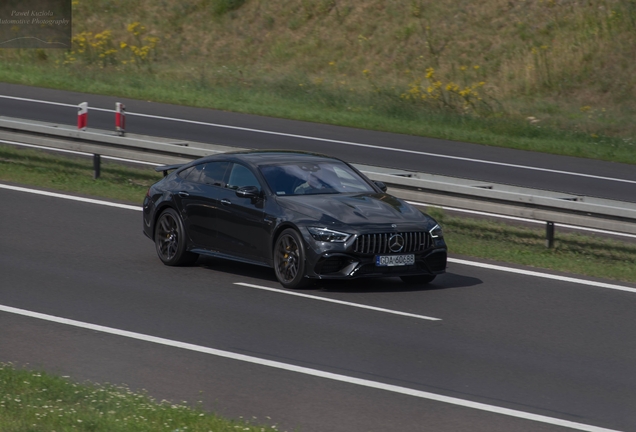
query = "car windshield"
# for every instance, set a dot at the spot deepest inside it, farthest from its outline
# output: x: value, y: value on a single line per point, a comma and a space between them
x: 310, y: 178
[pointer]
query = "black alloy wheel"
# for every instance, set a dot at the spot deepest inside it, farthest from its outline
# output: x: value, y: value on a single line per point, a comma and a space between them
x: 418, y: 280
x: 289, y: 260
x: 170, y: 240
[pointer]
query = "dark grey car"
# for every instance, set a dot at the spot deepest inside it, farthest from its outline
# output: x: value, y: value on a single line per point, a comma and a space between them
x: 308, y: 216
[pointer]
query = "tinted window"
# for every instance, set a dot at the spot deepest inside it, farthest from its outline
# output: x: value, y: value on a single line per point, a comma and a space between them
x: 214, y: 173
x: 349, y: 180
x: 241, y: 176
x: 191, y: 174
x: 211, y: 173
x: 313, y: 178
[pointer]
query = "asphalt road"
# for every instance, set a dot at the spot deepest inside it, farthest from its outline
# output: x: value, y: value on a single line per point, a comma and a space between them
x: 479, y: 162
x: 538, y: 346
x: 546, y: 347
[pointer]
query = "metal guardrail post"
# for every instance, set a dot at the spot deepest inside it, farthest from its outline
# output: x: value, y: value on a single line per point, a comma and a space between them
x: 97, y: 166
x: 549, y: 235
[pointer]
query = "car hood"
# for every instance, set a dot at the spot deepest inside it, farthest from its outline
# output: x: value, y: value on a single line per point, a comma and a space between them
x: 355, y: 209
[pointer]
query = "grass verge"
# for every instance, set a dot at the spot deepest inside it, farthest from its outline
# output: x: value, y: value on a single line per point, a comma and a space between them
x: 75, y: 175
x: 35, y: 401
x: 574, y: 253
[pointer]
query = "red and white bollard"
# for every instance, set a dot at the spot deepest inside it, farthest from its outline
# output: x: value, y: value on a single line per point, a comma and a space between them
x: 120, y: 118
x: 82, y: 116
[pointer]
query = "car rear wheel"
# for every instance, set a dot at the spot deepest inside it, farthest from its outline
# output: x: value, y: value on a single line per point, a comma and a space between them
x: 170, y: 240
x: 289, y: 260
x: 418, y: 280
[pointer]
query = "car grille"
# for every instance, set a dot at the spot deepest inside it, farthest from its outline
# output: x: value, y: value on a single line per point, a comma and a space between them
x: 379, y: 243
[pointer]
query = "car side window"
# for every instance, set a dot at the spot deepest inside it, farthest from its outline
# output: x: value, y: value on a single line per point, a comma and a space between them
x: 191, y: 174
x: 241, y: 176
x: 213, y: 173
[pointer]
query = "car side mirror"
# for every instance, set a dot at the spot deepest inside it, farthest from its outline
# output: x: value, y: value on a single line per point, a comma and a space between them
x: 248, y: 192
x: 380, y: 184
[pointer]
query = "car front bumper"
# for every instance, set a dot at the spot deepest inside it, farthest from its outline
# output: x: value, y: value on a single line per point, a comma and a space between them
x: 336, y: 265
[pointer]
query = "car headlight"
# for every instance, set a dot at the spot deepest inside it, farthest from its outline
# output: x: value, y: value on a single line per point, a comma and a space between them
x: 327, y: 235
x: 436, y: 232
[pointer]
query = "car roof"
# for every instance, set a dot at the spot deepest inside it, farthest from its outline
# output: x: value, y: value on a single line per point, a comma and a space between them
x: 264, y: 157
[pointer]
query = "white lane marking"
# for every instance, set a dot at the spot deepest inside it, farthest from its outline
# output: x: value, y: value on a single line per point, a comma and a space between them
x: 308, y: 371
x: 534, y: 221
x: 455, y: 260
x: 543, y: 275
x: 357, y: 305
x: 71, y: 197
x: 38, y: 101
x: 349, y: 143
x: 54, y: 103
x: 78, y: 153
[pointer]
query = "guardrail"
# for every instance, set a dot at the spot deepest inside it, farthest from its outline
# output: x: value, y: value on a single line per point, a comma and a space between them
x: 550, y: 207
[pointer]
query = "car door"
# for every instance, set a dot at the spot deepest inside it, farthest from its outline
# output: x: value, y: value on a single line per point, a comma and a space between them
x: 199, y: 200
x: 240, y: 221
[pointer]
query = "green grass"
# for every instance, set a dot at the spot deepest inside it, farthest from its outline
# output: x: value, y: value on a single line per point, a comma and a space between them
x: 573, y: 253
x: 75, y: 175
x: 34, y: 401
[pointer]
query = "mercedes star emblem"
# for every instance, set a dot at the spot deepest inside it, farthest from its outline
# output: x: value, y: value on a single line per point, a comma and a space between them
x: 396, y: 243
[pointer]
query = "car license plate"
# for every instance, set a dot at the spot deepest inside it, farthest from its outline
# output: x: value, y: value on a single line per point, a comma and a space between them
x: 394, y: 260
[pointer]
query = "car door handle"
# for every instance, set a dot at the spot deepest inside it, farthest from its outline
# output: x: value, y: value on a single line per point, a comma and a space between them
x: 183, y: 194
x: 226, y: 201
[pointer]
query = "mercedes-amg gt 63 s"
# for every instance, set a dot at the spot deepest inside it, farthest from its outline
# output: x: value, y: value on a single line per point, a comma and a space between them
x: 306, y: 215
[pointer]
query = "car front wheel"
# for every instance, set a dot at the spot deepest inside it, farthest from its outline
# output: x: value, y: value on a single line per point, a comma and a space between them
x: 170, y: 240
x: 289, y: 259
